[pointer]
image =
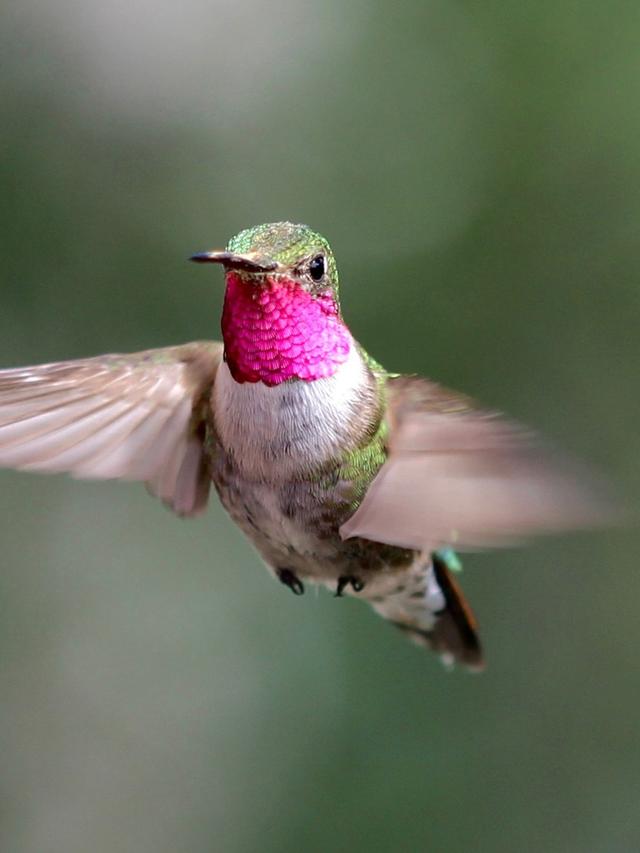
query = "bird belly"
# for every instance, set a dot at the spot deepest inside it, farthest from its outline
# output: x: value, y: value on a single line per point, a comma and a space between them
x: 293, y: 520
x: 276, y: 458
x: 284, y: 521
x: 295, y: 525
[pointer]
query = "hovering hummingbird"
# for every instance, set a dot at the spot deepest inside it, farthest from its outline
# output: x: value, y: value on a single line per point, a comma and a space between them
x: 339, y: 472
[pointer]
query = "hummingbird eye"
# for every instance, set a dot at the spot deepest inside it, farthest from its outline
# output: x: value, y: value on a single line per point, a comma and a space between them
x: 317, y: 268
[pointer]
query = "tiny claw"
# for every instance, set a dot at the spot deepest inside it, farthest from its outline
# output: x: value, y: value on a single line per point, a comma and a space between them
x: 290, y: 579
x: 344, y: 581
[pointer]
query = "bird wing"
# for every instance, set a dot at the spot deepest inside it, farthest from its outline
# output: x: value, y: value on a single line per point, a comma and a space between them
x: 139, y: 416
x: 458, y: 475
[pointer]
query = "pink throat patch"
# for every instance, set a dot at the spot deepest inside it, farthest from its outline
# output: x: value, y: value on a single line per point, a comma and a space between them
x: 277, y: 331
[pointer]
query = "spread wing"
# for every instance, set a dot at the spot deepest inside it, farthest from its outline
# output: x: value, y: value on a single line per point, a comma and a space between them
x: 139, y: 416
x: 459, y: 475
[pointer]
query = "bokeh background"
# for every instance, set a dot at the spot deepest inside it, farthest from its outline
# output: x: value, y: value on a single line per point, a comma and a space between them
x: 477, y: 170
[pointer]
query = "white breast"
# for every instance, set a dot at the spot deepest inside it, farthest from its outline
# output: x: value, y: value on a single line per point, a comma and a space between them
x: 274, y: 432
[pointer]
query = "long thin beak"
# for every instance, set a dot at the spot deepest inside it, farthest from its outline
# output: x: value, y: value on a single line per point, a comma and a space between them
x: 250, y: 262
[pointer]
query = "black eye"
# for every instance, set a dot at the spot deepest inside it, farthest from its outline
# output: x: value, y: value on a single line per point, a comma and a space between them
x: 316, y: 267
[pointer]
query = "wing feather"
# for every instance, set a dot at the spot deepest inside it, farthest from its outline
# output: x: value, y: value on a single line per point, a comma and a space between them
x: 132, y: 417
x: 459, y: 475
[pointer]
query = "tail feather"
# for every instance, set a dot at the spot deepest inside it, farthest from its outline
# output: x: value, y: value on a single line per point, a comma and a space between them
x: 432, y: 610
x: 455, y: 632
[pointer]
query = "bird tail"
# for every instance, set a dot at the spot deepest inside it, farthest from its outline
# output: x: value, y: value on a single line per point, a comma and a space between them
x: 432, y: 610
x: 455, y: 632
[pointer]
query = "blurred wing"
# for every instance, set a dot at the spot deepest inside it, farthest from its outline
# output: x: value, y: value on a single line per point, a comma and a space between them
x: 458, y: 475
x: 133, y: 417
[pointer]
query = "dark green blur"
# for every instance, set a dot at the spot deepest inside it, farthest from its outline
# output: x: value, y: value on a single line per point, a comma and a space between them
x: 476, y: 169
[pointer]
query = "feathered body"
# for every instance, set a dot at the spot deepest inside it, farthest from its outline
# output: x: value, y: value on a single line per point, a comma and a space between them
x: 298, y: 433
x: 339, y: 472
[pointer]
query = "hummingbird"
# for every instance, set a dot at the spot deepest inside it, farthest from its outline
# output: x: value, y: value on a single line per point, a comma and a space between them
x: 341, y: 473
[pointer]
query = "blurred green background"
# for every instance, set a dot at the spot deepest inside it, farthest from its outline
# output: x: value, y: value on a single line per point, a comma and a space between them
x: 476, y: 168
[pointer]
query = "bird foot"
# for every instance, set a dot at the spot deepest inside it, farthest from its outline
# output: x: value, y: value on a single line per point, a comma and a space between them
x: 290, y: 579
x: 344, y: 581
